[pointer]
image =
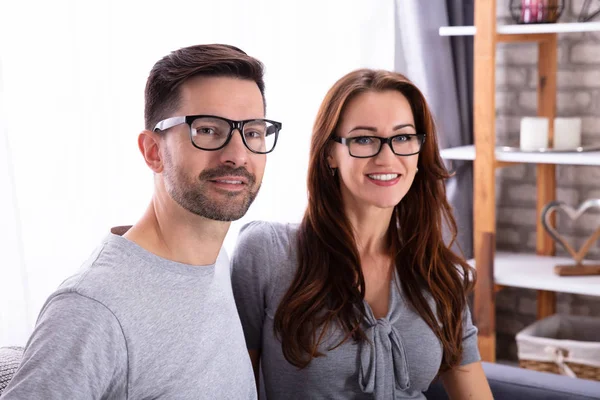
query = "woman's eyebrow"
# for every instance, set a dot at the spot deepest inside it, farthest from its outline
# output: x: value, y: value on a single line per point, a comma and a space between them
x: 403, y: 126
x: 363, y: 128
x: 373, y: 129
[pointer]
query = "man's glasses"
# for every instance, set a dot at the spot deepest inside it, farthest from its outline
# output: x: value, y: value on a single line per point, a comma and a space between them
x: 369, y: 146
x: 210, y: 133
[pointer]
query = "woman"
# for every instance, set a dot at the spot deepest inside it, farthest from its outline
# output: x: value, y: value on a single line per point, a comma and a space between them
x: 363, y: 299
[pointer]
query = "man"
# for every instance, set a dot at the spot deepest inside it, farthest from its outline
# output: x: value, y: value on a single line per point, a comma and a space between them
x: 151, y: 315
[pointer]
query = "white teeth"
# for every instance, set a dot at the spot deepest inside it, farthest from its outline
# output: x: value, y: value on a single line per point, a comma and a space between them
x: 383, y: 177
x: 230, y: 182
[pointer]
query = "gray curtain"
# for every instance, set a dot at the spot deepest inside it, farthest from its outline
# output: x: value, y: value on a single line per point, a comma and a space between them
x: 442, y: 68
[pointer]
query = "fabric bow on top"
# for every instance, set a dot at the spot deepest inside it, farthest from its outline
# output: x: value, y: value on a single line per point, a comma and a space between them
x: 384, y: 351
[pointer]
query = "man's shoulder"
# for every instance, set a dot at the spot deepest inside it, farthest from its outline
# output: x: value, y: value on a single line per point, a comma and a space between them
x: 100, y: 273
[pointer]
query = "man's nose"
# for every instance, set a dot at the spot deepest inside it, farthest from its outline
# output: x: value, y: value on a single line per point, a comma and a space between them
x: 236, y: 152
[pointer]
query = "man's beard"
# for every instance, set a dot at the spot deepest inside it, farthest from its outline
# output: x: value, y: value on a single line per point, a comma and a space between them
x: 193, y: 194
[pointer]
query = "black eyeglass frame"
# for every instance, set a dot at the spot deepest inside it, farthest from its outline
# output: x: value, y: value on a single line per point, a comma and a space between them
x: 382, y: 141
x: 233, y: 125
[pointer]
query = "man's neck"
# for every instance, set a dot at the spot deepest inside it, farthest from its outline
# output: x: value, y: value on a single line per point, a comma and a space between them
x: 175, y: 234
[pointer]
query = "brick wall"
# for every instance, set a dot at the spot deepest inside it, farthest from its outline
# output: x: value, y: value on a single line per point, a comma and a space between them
x: 578, y: 95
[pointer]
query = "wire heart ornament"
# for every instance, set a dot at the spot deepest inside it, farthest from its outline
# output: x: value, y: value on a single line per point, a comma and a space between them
x: 573, y: 214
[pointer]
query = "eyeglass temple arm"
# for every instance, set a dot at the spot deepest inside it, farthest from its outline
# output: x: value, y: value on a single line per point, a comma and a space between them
x: 169, y: 123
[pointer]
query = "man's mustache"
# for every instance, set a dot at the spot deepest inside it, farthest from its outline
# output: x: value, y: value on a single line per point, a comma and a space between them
x: 215, y: 173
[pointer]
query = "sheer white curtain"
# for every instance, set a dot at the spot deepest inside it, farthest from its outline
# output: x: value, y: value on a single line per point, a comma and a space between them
x: 73, y: 80
x: 14, y: 308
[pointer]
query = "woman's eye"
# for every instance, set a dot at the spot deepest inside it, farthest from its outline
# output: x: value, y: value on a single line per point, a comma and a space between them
x: 402, y: 138
x: 363, y: 140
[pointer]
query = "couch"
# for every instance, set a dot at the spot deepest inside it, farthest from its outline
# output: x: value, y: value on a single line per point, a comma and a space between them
x: 10, y: 357
x: 507, y: 383
x: 513, y: 383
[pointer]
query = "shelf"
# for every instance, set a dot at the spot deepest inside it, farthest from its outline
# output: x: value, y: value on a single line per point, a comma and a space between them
x: 468, y: 153
x: 569, y: 27
x: 457, y: 31
x: 531, y: 271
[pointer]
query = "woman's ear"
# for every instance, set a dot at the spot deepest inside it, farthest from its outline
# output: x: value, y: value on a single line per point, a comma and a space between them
x: 331, y: 160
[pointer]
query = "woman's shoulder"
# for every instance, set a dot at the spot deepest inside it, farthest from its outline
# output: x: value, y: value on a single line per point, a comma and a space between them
x: 277, y: 229
x: 268, y: 236
x: 275, y: 242
x: 267, y: 252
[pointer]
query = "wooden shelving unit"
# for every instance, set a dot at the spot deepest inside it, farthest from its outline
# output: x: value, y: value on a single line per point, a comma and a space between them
x: 571, y: 27
x: 533, y: 271
x: 468, y: 153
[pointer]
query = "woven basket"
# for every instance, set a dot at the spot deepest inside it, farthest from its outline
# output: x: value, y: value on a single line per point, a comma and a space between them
x: 562, y: 344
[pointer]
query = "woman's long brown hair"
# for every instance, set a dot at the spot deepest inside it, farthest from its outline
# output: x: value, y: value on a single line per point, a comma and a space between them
x: 329, y: 287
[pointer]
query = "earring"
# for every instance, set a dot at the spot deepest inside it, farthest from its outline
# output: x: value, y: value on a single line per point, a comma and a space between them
x: 417, y: 170
x: 332, y: 171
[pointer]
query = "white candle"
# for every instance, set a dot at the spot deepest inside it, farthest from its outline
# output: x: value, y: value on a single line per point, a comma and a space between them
x: 567, y: 133
x: 534, y: 133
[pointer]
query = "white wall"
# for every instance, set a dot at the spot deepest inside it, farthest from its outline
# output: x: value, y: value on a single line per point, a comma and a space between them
x: 73, y: 79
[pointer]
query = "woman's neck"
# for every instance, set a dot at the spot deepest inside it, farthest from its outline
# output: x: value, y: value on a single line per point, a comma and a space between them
x: 371, y: 226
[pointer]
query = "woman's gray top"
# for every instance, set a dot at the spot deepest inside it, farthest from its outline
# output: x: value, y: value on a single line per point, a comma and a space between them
x: 400, y: 360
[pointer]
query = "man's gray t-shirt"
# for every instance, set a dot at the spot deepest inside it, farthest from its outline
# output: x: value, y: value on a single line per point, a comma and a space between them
x: 132, y: 325
x: 399, y: 361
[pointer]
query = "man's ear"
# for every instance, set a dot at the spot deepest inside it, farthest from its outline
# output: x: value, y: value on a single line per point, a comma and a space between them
x: 149, y: 145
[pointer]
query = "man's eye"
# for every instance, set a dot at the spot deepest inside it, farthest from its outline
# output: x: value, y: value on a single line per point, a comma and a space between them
x: 205, y: 131
x: 253, y: 134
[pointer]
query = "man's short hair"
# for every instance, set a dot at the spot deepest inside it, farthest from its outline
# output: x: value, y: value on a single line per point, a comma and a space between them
x: 162, y: 95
